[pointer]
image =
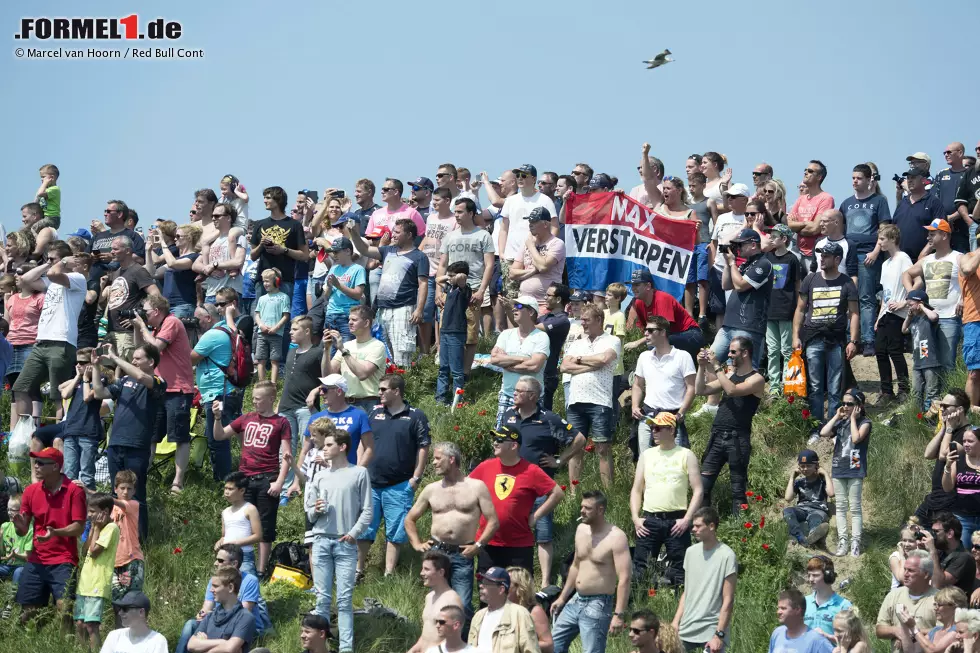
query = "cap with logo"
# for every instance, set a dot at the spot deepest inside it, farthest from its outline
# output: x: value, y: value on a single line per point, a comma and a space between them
x: 578, y: 296
x: 601, y: 181
x: 340, y: 244
x: 50, y: 453
x: 423, y: 182
x: 938, y: 225
x: 641, y: 275
x: 538, y: 214
x: 528, y: 169
x: 918, y: 295
x: 919, y: 156
x: 747, y: 236
x: 808, y: 456
x: 509, y: 433
x: 496, y: 575
x: 831, y: 249
x: 527, y: 301
x: 334, y: 381
x: 915, y: 172
x: 736, y: 190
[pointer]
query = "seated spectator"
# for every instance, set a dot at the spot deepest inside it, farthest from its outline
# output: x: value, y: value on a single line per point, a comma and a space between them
x: 229, y: 621
x: 851, y: 430
x: 313, y: 634
x: 962, y: 478
x: 850, y: 633
x: 896, y: 560
x: 953, y: 564
x: 14, y: 548
x: 510, y: 618
x: 135, y: 636
x: 824, y: 604
x: 949, y: 600
x: 793, y: 634
x: 649, y: 635
x: 808, y: 521
x: 967, y: 629
x: 522, y: 593
x: 913, y: 602
x: 449, y: 625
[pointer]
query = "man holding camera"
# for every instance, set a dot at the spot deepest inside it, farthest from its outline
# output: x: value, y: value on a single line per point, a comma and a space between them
x: 125, y: 290
x: 173, y: 419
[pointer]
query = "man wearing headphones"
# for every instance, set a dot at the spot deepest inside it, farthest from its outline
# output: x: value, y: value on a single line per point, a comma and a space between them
x: 824, y: 604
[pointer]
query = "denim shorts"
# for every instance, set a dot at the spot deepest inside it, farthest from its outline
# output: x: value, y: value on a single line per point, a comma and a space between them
x: 698, y: 269
x: 392, y: 503
x: 544, y: 528
x: 174, y: 418
x: 971, y: 345
x: 88, y: 609
x: 39, y: 582
x: 592, y: 420
x: 21, y: 352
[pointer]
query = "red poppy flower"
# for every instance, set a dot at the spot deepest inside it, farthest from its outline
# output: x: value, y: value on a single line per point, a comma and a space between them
x: 589, y: 448
x: 413, y: 363
x: 564, y: 487
x: 762, y: 521
x: 790, y: 399
x: 758, y: 498
x: 918, y: 416
x: 748, y: 524
x: 651, y: 592
x: 575, y: 482
x: 185, y: 522
x: 456, y: 428
x: 744, y: 506
x: 459, y: 391
x: 744, y: 540
x: 806, y: 413
x: 749, y: 493
x: 765, y: 547
x: 177, y: 550
x: 482, y: 413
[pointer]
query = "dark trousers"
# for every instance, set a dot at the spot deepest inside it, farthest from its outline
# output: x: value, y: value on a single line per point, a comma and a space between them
x: 505, y: 556
x: 733, y: 448
x: 690, y: 341
x: 890, y: 350
x: 220, y: 450
x: 803, y: 520
x: 136, y: 460
x: 659, y: 524
x: 551, y: 382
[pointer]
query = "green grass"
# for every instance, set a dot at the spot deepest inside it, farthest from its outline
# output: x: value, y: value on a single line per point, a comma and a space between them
x: 898, y: 478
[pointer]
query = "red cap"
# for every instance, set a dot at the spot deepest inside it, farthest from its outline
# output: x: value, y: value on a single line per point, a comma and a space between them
x: 50, y: 453
x: 379, y: 232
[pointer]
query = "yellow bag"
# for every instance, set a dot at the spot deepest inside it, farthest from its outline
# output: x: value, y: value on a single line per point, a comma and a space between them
x: 294, y: 577
x: 794, y: 382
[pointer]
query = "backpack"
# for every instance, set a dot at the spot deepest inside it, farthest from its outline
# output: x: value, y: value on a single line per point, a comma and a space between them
x: 291, y: 555
x: 240, y: 368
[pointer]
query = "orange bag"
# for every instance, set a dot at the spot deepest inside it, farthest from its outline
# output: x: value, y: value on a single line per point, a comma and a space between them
x: 794, y: 381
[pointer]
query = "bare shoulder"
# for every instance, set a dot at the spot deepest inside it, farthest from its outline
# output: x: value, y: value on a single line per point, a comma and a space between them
x: 618, y: 537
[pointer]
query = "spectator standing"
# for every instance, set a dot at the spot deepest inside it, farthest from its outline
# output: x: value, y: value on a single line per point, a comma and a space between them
x: 751, y: 285
x: 130, y: 285
x: 95, y: 576
x: 793, y: 634
x: 969, y: 264
x: 810, y: 486
x: 394, y: 210
x: 364, y: 199
x: 222, y: 260
x: 520, y: 351
x: 555, y: 323
x: 832, y: 231
x: 345, y: 287
x: 787, y: 276
x: 926, y: 366
x: 301, y: 373
x: 435, y: 577
x: 453, y: 331
x: 704, y: 612
x: 889, y: 340
x: 967, y: 195
x: 684, y: 333
x: 813, y: 201
x: 438, y: 225
x: 360, y: 361
x: 175, y: 267
x: 351, y: 419
x: 522, y: 593
x: 851, y: 430
x: 128, y: 571
x: 514, y: 229
x: 918, y: 208
x: 271, y: 317
x: 542, y: 259
x: 946, y: 183
x: 115, y: 221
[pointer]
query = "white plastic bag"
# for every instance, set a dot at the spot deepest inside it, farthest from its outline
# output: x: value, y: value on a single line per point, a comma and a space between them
x: 20, y: 440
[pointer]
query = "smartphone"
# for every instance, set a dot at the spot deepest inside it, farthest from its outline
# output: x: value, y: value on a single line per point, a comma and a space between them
x: 313, y: 195
x: 339, y: 194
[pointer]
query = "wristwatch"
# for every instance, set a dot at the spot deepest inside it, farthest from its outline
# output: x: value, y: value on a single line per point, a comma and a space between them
x: 720, y: 634
x: 478, y: 545
x: 416, y: 479
x: 558, y: 460
x: 621, y: 615
x: 854, y: 342
x: 344, y: 352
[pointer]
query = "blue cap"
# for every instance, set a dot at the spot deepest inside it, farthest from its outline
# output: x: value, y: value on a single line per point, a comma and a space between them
x: 497, y: 575
x: 747, y: 236
x: 831, y: 248
x: 423, y: 182
x: 641, y: 275
x: 601, y: 181
x: 918, y: 295
x: 538, y: 214
x: 526, y: 168
x: 808, y: 456
x: 82, y: 233
x: 578, y: 296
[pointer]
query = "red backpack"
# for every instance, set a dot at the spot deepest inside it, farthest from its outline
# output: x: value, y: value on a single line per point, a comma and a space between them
x: 240, y: 368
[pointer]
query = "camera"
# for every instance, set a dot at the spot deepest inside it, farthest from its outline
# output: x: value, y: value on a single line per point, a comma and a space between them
x: 190, y: 322
x: 724, y: 249
x: 130, y: 313
x: 897, y: 179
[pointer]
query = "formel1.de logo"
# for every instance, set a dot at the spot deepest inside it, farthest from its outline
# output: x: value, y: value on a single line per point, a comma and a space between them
x: 97, y: 29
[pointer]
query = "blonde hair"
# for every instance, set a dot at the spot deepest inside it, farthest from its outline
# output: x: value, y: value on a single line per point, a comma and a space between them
x: 23, y: 241
x: 969, y: 617
x: 952, y: 594
x: 850, y: 622
x: 168, y: 228
x: 271, y: 273
x: 193, y: 232
x: 523, y: 586
x: 669, y: 639
x: 617, y: 290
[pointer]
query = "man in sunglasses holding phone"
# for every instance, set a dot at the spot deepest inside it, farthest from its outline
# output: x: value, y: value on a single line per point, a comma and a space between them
x: 115, y: 219
x: 514, y: 228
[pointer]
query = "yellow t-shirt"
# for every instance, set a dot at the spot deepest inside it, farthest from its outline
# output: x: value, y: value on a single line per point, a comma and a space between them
x: 372, y: 351
x: 615, y: 324
x: 95, y: 578
x: 665, y: 476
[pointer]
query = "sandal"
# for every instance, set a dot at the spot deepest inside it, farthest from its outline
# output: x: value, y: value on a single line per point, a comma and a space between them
x: 176, y: 489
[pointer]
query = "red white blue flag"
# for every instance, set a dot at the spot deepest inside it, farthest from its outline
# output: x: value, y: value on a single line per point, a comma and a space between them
x: 608, y: 235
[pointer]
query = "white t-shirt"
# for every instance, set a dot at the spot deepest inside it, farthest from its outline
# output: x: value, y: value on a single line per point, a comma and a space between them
x: 119, y: 641
x: 490, y: 622
x: 218, y: 253
x: 596, y: 386
x: 664, y: 377
x: 436, y: 230
x: 892, y: 288
x: 516, y: 208
x: 942, y: 278
x: 59, y: 315
x: 727, y: 227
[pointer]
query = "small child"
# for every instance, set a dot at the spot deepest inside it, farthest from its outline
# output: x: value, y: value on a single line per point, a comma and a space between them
x: 240, y: 522
x: 851, y: 429
x: 128, y: 568
x: 88, y: 317
x: 233, y: 193
x: 314, y: 463
x: 95, y: 577
x: 49, y: 197
x: 614, y: 321
x: 809, y: 519
x: 82, y: 428
x: 14, y: 547
x: 926, y: 368
x: 452, y: 330
x: 271, y: 316
x: 889, y: 341
x: 787, y: 274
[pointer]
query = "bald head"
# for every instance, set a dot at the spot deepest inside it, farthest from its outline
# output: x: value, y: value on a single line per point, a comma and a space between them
x: 832, y: 224
x: 954, y: 154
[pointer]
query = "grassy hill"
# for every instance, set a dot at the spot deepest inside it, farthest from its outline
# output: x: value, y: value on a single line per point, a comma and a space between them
x: 183, y: 529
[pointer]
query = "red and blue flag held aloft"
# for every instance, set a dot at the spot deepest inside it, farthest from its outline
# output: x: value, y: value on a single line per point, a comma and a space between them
x: 608, y: 235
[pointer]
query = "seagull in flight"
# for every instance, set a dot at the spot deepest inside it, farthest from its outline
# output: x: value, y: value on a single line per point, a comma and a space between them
x: 659, y: 60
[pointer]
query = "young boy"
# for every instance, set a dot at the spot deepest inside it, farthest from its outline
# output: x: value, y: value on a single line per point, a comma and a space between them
x: 926, y: 368
x: 128, y: 569
x: 271, y: 315
x: 265, y: 443
x: 614, y: 321
x: 88, y: 317
x: 49, y: 197
x: 82, y: 429
x: 809, y: 520
x: 787, y: 274
x: 95, y: 577
x: 453, y: 329
x: 889, y: 341
x: 240, y: 523
x: 13, y: 547
x: 314, y: 463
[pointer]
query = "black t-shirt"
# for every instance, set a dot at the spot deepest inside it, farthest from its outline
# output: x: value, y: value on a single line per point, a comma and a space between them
x: 961, y: 565
x: 786, y: 272
x: 454, y: 311
x: 544, y: 432
x: 969, y: 191
x: 736, y: 413
x: 811, y: 494
x: 127, y: 292
x: 397, y: 439
x: 302, y: 374
x: 556, y: 326
x: 88, y: 330
x: 826, y: 310
x: 749, y: 309
x: 102, y: 244
x: 136, y: 411
x: 286, y: 232
x: 83, y: 417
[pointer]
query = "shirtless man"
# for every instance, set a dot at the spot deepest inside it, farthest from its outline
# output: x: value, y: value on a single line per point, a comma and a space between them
x: 601, y: 554
x: 457, y: 503
x: 435, y: 575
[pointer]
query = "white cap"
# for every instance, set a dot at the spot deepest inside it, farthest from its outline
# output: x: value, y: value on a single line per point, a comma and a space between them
x: 528, y: 301
x: 335, y: 381
x: 738, y: 189
x: 919, y: 156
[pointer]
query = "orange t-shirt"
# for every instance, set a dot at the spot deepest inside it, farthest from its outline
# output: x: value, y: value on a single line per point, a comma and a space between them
x: 970, y: 289
x: 128, y: 521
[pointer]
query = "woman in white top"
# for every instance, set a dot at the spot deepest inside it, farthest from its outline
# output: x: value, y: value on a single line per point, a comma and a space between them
x: 712, y: 165
x: 222, y: 259
x: 324, y: 230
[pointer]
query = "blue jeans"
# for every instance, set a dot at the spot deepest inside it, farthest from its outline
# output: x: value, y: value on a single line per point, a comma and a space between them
x: 80, y: 455
x: 724, y: 337
x: 451, y: 346
x: 868, y: 279
x: 8, y: 571
x: 335, y: 559
x: 137, y: 460
x: 299, y: 419
x: 338, y: 322
x: 429, y: 310
x: 298, y: 303
x: 461, y: 580
x: 801, y: 521
x: 970, y: 523
x: 824, y: 376
x: 248, y: 562
x: 220, y: 450
x: 588, y: 616
x: 950, y: 334
x: 182, y: 310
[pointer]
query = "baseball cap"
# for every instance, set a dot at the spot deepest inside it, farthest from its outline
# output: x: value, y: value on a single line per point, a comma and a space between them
x: 538, y: 214
x: 50, y: 453
x: 334, y: 381
x: 831, y: 249
x: 82, y: 233
x: 578, y: 296
x: 939, y: 225
x: 915, y: 172
x: 423, y: 182
x: 918, y: 295
x: 808, y: 456
x: 133, y: 599
x: 641, y: 275
x: 379, y: 232
x: 527, y: 168
x: 508, y: 433
x: 601, y: 181
x: 919, y: 156
x: 782, y: 230
x: 747, y: 236
x: 341, y: 243
x: 738, y: 189
x: 664, y: 419
x: 528, y: 302
x: 496, y: 575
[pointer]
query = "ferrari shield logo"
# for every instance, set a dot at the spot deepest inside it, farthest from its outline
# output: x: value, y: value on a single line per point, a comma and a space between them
x: 504, y: 485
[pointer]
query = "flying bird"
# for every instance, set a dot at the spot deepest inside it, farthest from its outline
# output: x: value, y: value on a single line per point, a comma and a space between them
x: 659, y: 60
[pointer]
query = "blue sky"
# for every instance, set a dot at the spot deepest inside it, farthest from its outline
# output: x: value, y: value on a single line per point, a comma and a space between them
x: 304, y: 94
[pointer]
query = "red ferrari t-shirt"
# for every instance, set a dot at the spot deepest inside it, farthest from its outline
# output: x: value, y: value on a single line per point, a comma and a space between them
x: 667, y: 307
x: 261, y: 439
x: 513, y: 490
x: 54, y: 510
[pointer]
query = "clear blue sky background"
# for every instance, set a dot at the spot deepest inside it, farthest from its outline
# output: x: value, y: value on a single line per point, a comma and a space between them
x: 317, y: 94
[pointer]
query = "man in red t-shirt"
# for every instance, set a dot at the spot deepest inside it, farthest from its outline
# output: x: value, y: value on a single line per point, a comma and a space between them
x: 685, y: 334
x: 514, y: 484
x: 266, y: 442
x: 58, y: 508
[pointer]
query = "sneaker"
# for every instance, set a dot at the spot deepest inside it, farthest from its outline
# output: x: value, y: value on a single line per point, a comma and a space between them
x: 283, y: 501
x: 841, y: 548
x: 817, y: 533
x: 7, y: 611
x: 869, y: 349
x: 855, y: 549
x: 704, y: 323
x: 705, y: 409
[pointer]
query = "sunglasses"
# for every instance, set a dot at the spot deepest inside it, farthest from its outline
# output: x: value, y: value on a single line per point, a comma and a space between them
x: 770, y: 191
x: 440, y: 175
x: 759, y: 174
x: 108, y: 211
x: 520, y: 306
x: 416, y: 189
x: 193, y: 211
x: 976, y: 547
x: 752, y: 214
x: 577, y: 173
x: 521, y: 175
x: 948, y: 406
x: 222, y: 304
x: 441, y: 622
x: 41, y: 463
x: 639, y: 631
x: 385, y: 190
x: 849, y: 404
x: 652, y: 329
x: 657, y: 429
x: 812, y: 172
x: 734, y: 352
